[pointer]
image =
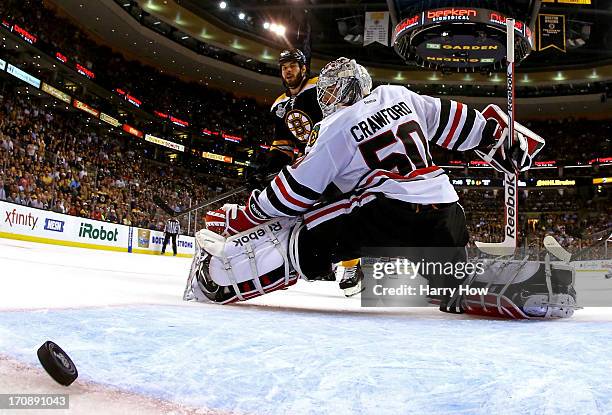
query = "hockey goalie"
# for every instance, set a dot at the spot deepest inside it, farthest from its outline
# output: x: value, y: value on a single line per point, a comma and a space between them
x: 373, y: 145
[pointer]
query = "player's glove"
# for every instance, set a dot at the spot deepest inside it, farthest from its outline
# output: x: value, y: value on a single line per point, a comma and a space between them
x: 525, y: 144
x: 231, y: 219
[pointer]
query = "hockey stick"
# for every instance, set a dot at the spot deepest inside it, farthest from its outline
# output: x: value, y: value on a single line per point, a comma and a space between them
x: 555, y: 248
x: 166, y: 208
x: 163, y: 205
x: 208, y: 202
x: 509, y: 244
x: 222, y: 196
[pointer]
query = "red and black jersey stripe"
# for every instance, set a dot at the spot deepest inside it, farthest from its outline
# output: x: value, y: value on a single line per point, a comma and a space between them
x: 468, y: 125
x: 456, y: 124
x: 289, y: 196
x: 445, y: 105
x: 297, y: 187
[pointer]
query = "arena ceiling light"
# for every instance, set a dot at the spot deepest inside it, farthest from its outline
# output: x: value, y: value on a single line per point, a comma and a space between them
x: 277, y: 29
x: 241, y: 16
x: 222, y: 5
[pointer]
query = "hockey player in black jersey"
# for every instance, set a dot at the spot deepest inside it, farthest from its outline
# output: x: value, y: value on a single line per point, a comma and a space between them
x: 374, y: 146
x: 295, y: 113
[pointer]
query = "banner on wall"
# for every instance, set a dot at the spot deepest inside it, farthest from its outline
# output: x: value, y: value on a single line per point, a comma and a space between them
x: 40, y: 225
x: 131, y: 130
x: 555, y: 182
x: 551, y: 31
x: 602, y: 180
x: 85, y: 108
x: 62, y: 96
x: 23, y: 75
x: 217, y: 157
x: 37, y: 225
x: 109, y: 120
x: 166, y: 143
x: 376, y: 28
x: 568, y: 1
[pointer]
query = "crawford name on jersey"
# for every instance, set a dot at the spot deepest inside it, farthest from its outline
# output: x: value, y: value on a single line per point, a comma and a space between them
x: 377, y: 121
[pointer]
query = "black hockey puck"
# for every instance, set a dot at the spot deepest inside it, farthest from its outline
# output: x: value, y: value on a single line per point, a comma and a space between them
x: 57, y: 363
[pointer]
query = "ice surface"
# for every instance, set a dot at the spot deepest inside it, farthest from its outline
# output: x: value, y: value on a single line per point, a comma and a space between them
x: 307, y: 350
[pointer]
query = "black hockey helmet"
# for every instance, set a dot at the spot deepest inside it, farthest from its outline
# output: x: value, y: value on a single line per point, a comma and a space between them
x: 292, y: 55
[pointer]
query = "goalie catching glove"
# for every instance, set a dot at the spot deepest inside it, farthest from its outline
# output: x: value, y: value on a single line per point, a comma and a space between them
x: 525, y: 144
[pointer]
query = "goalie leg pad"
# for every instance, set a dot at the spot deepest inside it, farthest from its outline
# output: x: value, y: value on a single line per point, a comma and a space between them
x: 243, y: 266
x: 523, y: 290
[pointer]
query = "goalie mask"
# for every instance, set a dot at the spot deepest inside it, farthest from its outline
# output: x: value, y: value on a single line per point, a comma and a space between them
x: 342, y: 83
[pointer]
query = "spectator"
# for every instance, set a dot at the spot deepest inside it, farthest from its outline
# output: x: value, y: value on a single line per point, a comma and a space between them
x: 35, y: 203
x: 2, y: 190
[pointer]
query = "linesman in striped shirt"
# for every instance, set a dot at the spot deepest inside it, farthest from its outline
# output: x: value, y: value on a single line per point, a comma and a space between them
x: 171, y: 230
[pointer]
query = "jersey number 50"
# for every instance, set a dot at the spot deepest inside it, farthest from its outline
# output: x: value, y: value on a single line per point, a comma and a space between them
x: 411, y: 159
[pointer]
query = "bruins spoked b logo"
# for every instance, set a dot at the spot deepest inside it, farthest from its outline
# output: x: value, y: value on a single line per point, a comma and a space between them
x: 299, y: 124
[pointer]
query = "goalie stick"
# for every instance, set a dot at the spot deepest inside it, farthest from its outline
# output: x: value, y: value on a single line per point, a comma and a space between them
x: 509, y: 244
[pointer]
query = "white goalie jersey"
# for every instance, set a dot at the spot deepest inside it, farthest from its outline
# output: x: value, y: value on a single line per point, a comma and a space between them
x: 379, y: 145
